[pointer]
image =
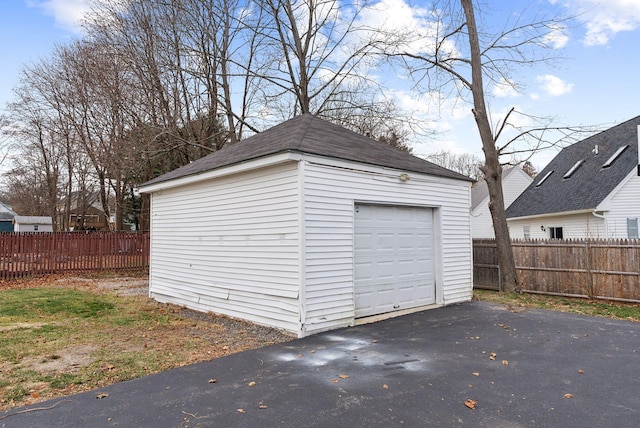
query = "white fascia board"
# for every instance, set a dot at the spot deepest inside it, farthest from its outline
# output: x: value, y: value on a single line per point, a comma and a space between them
x: 527, y: 217
x: 223, y: 171
x: 604, y: 205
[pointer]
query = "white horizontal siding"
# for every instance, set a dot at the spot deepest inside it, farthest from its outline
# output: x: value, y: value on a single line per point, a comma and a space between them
x: 231, y: 245
x: 624, y: 204
x: 583, y: 225
x: 330, y: 192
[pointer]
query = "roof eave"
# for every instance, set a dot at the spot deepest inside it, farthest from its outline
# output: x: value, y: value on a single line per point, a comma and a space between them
x: 560, y: 213
x: 259, y: 162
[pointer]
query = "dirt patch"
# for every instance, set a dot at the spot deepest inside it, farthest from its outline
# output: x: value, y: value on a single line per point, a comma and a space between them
x: 125, y: 286
x: 69, y: 361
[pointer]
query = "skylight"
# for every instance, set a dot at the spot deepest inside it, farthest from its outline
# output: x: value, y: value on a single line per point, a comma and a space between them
x: 614, y: 156
x: 544, y: 178
x: 573, y: 169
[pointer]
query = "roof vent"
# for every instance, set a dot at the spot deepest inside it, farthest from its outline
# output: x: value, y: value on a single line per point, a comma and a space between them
x: 544, y: 178
x: 614, y: 156
x: 573, y: 169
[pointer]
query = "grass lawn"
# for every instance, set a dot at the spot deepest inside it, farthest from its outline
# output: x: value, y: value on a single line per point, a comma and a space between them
x: 602, y: 308
x: 60, y: 337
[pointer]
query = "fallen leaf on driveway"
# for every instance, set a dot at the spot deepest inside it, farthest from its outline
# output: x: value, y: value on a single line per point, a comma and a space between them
x: 385, y: 386
x: 505, y: 362
x: 476, y: 374
x: 240, y: 410
x: 568, y: 395
x: 102, y: 395
x: 581, y: 371
x: 343, y: 376
x: 213, y: 380
x: 493, y: 356
x: 263, y: 406
x: 251, y: 384
x: 471, y: 404
x: 335, y: 380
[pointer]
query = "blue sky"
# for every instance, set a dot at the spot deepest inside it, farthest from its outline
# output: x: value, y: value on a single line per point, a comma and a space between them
x: 597, y: 83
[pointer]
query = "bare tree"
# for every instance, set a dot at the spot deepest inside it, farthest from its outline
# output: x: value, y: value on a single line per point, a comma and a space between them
x: 464, y: 163
x: 459, y: 58
x: 317, y: 59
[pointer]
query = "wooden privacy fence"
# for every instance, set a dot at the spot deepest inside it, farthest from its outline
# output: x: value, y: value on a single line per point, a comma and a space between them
x: 24, y: 254
x: 592, y: 268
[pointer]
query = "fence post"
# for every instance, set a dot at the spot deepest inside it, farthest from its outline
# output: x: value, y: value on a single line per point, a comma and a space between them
x: 588, y: 268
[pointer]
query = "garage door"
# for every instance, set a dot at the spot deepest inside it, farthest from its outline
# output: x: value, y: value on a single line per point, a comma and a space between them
x: 394, y: 268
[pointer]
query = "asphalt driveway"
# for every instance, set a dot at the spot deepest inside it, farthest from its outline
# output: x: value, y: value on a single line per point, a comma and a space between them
x: 521, y: 367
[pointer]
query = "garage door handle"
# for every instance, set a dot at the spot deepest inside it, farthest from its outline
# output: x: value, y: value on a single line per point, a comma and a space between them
x: 396, y: 306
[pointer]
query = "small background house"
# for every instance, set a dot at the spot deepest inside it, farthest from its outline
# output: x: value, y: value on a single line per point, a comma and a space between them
x: 308, y: 227
x: 6, y: 218
x: 514, y: 181
x: 32, y: 224
x: 85, y: 213
x: 591, y: 189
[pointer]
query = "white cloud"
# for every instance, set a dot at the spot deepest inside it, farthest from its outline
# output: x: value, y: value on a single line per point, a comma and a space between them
x: 67, y: 13
x: 417, y: 28
x: 553, y: 85
x: 603, y: 19
x: 505, y: 89
x: 558, y: 37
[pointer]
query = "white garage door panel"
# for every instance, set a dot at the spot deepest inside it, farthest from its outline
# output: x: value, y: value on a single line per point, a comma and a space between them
x: 393, y: 258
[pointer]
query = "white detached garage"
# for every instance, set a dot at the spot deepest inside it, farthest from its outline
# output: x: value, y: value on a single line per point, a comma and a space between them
x: 309, y: 227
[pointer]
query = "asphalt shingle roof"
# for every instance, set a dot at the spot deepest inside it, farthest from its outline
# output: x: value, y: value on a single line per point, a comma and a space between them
x: 6, y: 213
x: 309, y: 134
x: 590, y: 184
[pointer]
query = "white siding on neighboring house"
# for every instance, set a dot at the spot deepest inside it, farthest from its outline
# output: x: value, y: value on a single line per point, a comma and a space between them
x: 230, y: 243
x: 32, y: 224
x: 624, y: 203
x: 513, y: 184
x: 481, y: 222
x: 331, y: 190
x: 582, y: 225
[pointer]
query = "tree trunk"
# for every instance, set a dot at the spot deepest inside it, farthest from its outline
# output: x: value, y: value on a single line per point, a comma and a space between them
x: 492, y: 170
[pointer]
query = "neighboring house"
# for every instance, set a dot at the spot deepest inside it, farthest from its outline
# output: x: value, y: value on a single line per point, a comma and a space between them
x: 514, y: 181
x: 30, y: 223
x: 6, y: 218
x: 591, y: 189
x: 309, y: 227
x: 85, y: 213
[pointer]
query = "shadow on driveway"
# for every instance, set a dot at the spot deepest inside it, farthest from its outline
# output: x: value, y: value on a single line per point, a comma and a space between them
x: 522, y: 367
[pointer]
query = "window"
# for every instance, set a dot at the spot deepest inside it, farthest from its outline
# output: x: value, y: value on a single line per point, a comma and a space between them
x: 544, y: 178
x: 614, y: 156
x: 527, y: 232
x: 573, y: 169
x: 555, y: 233
x: 632, y: 228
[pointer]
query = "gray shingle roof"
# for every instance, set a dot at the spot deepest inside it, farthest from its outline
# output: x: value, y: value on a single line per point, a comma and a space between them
x: 6, y: 213
x: 590, y: 184
x: 311, y: 135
